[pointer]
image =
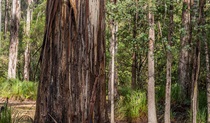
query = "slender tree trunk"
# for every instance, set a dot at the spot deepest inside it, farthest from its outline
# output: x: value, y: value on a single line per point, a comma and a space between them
x: 184, y: 53
x: 112, y: 66
x: 196, y: 58
x: 27, y: 50
x: 134, y: 66
x: 168, y: 69
x: 14, y: 41
x: 6, y: 18
x: 112, y: 48
x: 202, y: 5
x: 207, y: 78
x: 195, y: 75
x: 152, y: 117
x: 72, y: 86
x: 134, y: 58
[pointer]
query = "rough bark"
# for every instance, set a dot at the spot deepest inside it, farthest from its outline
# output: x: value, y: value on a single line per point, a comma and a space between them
x: 27, y: 49
x: 168, y: 67
x: 183, y: 67
x: 72, y: 82
x: 152, y: 117
x: 14, y: 41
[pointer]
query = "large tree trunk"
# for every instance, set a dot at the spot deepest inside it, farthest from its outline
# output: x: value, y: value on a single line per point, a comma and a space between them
x: 184, y: 53
x: 27, y: 50
x: 72, y: 82
x: 14, y: 41
x: 152, y: 118
x: 168, y: 69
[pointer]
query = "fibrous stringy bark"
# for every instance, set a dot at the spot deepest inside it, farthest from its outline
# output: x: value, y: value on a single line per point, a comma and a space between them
x: 72, y: 83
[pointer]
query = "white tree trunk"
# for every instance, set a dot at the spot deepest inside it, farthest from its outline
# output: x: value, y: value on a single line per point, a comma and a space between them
x: 152, y: 118
x: 112, y: 82
x: 13, y: 49
x: 27, y: 50
x: 113, y: 42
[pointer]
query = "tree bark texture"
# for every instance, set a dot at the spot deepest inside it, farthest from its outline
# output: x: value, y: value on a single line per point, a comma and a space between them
x: 27, y: 49
x: 152, y: 117
x: 14, y: 41
x: 72, y: 85
x: 183, y: 67
x: 168, y: 67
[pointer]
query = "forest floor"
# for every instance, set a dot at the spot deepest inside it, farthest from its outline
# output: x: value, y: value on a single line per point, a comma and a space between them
x: 23, y: 111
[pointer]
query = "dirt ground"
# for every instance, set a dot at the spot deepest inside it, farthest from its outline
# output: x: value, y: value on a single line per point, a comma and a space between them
x: 22, y: 111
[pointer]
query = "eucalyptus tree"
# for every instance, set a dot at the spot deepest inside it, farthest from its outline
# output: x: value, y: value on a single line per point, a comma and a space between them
x: 196, y: 17
x: 113, y: 74
x: 168, y: 65
x: 183, y: 68
x: 134, y: 55
x: 14, y: 40
x: 152, y: 117
x: 27, y: 49
x: 72, y: 84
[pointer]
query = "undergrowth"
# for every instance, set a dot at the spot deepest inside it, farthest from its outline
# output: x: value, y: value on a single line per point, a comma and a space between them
x: 5, y: 115
x: 17, y: 89
x: 132, y: 104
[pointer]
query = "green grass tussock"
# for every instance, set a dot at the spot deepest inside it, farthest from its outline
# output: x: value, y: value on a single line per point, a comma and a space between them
x: 132, y: 104
x: 17, y: 89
